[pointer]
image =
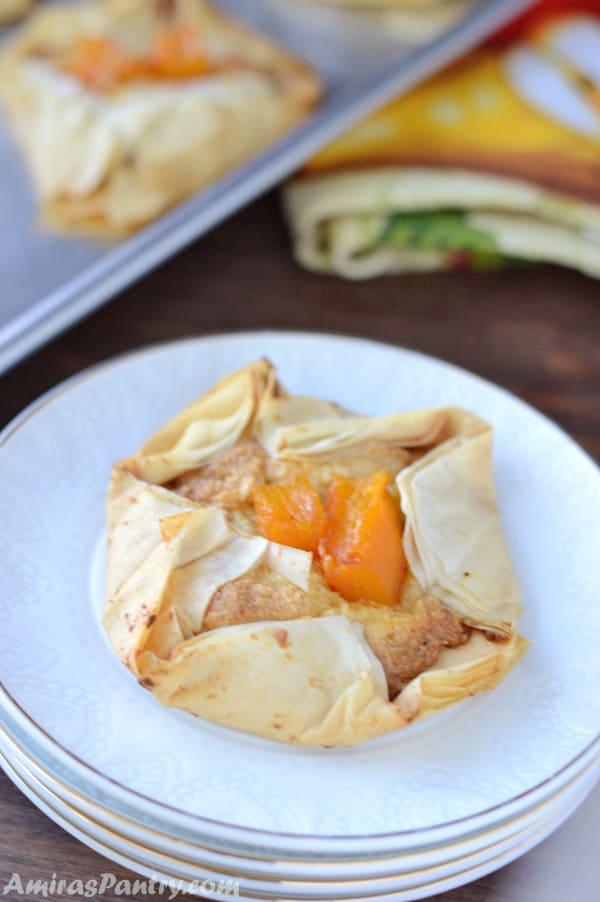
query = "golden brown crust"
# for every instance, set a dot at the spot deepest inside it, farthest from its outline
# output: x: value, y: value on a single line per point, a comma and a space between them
x: 186, y: 588
x: 408, y: 644
x: 406, y: 639
x: 355, y: 464
x: 252, y: 599
x: 229, y: 481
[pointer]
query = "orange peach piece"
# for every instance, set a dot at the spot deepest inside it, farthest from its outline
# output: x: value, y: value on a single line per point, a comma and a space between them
x: 361, y: 551
x: 290, y: 513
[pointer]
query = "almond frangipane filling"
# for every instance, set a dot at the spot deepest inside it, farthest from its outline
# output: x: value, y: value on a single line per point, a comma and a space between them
x: 407, y: 636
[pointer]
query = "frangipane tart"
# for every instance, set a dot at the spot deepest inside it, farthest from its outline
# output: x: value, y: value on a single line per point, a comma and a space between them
x: 279, y: 565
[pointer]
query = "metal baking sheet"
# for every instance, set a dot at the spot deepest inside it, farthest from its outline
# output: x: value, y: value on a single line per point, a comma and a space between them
x: 49, y: 281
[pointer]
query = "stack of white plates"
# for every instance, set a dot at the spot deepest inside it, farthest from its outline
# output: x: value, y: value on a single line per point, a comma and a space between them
x: 174, y: 798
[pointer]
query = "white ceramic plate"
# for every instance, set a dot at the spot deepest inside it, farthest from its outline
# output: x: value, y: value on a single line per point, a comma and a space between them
x: 403, y: 871
x: 414, y: 886
x: 63, y: 679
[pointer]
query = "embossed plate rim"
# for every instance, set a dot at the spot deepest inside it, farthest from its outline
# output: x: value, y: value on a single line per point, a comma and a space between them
x: 516, y: 850
x: 494, y: 837
x: 247, y: 831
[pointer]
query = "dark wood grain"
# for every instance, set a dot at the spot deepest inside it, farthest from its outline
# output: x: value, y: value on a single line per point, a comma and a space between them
x: 535, y: 331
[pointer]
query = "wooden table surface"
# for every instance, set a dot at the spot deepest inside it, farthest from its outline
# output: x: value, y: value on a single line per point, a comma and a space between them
x: 535, y: 331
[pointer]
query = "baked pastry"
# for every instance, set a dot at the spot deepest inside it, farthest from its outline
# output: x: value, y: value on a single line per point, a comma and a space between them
x: 495, y: 159
x: 126, y: 107
x: 281, y: 566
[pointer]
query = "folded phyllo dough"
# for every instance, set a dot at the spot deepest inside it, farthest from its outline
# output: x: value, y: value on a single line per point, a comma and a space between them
x: 125, y: 107
x: 495, y: 159
x: 280, y: 566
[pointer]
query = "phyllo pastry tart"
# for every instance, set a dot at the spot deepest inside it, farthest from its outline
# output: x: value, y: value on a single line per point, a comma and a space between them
x: 126, y: 107
x: 281, y: 566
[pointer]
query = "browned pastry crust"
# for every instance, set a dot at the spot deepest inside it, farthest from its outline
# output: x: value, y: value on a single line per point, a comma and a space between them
x: 221, y: 621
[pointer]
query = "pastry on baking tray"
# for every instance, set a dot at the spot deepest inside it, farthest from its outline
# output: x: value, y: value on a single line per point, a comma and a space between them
x: 497, y: 158
x: 281, y: 566
x: 125, y: 107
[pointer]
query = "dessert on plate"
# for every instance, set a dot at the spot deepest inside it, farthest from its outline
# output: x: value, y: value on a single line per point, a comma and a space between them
x: 126, y: 107
x: 282, y: 566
